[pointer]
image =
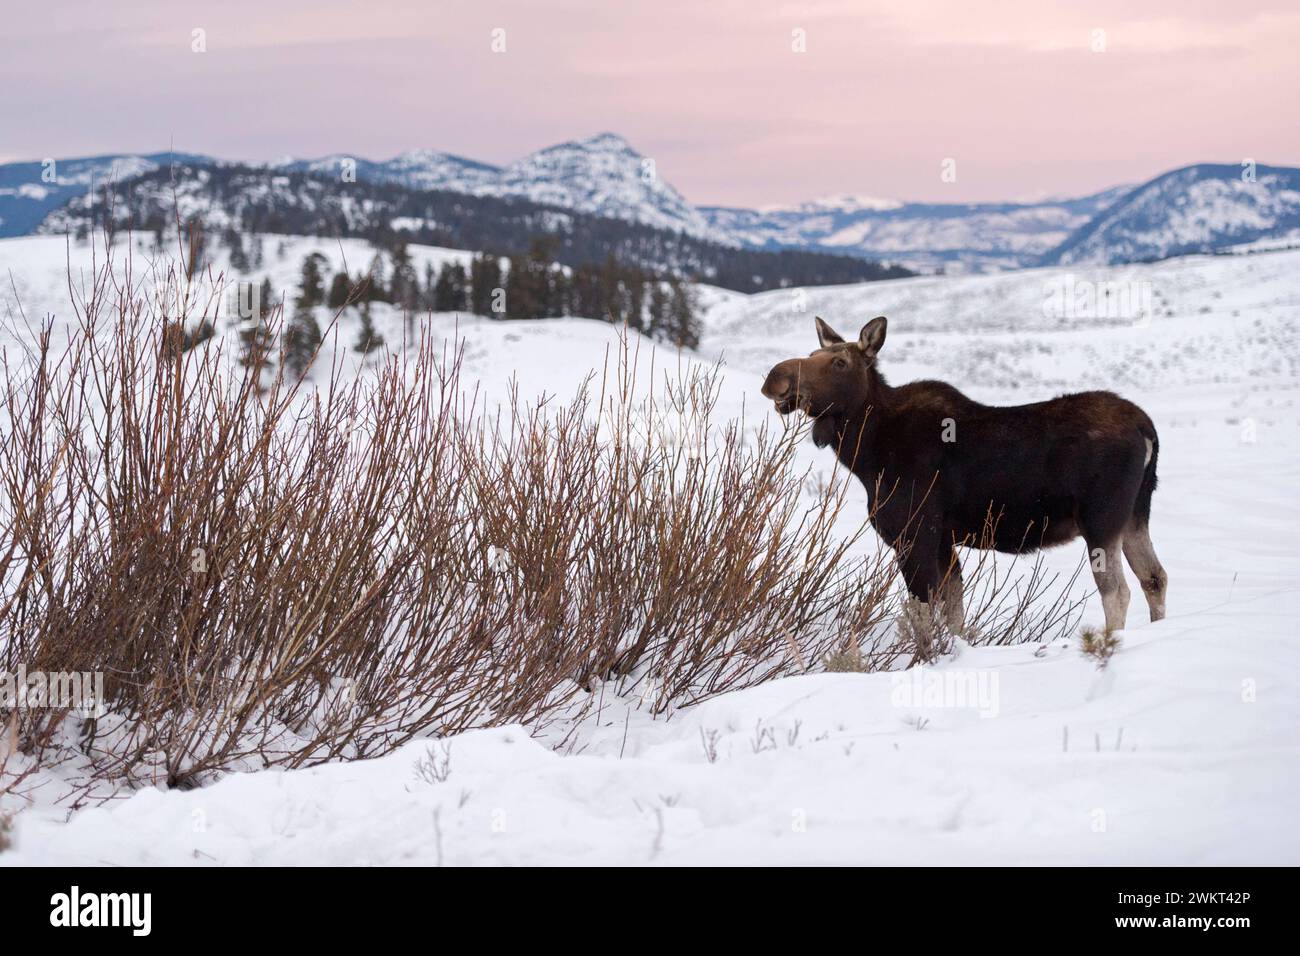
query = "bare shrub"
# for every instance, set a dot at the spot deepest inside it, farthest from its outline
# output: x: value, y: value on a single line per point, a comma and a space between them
x: 922, y: 628
x: 435, y: 766
x: 1015, y: 604
x: 268, y: 572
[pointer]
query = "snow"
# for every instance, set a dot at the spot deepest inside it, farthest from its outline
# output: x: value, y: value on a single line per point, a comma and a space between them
x: 1184, y: 750
x: 1156, y: 759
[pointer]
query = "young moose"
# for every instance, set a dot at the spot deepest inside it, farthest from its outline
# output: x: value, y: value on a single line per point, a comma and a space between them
x: 942, y: 470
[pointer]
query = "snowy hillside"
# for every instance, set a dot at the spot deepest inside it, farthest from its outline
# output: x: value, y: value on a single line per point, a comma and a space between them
x: 1184, y: 750
x: 1196, y: 209
x: 955, y: 237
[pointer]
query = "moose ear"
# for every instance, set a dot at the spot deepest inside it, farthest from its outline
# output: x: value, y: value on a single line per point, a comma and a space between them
x: 826, y: 335
x: 872, y: 336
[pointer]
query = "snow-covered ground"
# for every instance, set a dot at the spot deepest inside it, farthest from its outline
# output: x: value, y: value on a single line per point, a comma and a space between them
x: 1185, y: 750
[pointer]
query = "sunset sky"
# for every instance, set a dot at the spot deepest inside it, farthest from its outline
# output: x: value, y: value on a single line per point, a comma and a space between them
x: 713, y: 90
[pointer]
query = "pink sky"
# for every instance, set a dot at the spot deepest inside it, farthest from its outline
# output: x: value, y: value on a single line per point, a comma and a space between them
x: 711, y: 89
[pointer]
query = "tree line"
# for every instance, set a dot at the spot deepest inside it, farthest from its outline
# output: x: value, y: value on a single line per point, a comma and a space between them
x: 530, y: 286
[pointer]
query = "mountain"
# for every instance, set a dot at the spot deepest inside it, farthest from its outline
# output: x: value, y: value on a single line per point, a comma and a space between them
x: 601, y: 175
x: 414, y: 169
x: 31, y: 191
x: 961, y: 237
x: 1203, y: 208
x: 605, y: 176
x: 316, y: 202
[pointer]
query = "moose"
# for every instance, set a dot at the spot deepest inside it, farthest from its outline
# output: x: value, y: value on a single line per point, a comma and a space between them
x: 943, y: 471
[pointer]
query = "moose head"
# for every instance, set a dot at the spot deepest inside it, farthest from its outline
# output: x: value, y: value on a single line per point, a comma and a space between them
x: 836, y: 380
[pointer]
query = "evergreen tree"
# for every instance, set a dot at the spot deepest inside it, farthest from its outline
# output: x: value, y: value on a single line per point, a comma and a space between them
x: 405, y: 287
x: 367, y: 338
x: 660, y: 311
x: 340, y: 289
x: 311, y: 289
x: 683, y: 325
x: 255, y: 340
x: 235, y: 243
x: 485, y: 279
x: 636, y: 300
x: 449, y: 293
x: 266, y: 300
x: 302, y: 338
x: 375, y: 286
x: 196, y: 244
x: 459, y: 288
x: 427, y: 292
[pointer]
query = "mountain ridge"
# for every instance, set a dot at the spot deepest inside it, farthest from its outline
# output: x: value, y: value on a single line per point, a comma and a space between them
x: 1204, y: 207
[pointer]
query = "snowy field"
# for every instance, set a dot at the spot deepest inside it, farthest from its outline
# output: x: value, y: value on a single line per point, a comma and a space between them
x: 1185, y: 750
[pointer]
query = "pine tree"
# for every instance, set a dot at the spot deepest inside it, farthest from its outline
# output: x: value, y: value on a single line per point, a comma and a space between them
x: 683, y: 325
x: 660, y: 311
x: 485, y: 279
x: 459, y: 288
x: 311, y: 289
x: 235, y: 243
x: 302, y: 338
x: 405, y: 287
x: 376, y: 286
x: 636, y: 300
x: 255, y: 339
x: 266, y: 299
x: 427, y: 293
x: 340, y: 290
x: 367, y: 338
x: 449, y: 293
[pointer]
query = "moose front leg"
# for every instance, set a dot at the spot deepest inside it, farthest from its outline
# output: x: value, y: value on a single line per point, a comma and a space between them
x: 931, y: 575
x: 950, y: 591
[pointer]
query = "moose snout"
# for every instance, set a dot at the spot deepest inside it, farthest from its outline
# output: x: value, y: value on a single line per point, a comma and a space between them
x: 781, y: 381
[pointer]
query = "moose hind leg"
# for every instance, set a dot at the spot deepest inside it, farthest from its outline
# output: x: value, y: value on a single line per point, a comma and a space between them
x: 1150, y: 573
x: 1108, y: 572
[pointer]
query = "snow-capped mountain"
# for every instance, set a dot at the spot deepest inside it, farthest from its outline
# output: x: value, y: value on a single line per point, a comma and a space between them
x: 963, y: 237
x: 414, y: 169
x: 601, y: 175
x: 1202, y: 208
x: 31, y: 191
x: 605, y: 176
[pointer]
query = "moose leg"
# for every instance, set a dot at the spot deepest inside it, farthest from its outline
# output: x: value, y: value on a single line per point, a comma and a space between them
x: 1150, y: 573
x: 950, y: 591
x: 918, y: 560
x: 927, y: 581
x: 1109, y: 575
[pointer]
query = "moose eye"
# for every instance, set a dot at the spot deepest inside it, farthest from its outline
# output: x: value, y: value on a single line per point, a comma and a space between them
x: 840, y: 363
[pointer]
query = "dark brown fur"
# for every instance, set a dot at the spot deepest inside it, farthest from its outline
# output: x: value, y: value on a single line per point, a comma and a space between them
x: 942, y: 470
